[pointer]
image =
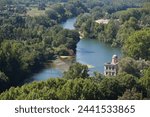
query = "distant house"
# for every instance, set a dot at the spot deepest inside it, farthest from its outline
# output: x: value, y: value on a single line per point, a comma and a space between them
x: 111, y: 69
x: 102, y: 21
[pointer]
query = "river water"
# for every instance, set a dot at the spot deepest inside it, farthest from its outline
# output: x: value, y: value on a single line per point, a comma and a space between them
x: 89, y: 52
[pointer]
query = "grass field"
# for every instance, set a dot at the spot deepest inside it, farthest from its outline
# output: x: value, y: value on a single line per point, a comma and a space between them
x: 33, y: 11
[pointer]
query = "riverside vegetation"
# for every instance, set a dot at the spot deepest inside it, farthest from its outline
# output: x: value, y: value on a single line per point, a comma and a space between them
x: 26, y: 42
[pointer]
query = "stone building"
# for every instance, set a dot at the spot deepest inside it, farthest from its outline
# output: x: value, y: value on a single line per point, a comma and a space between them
x: 111, y: 69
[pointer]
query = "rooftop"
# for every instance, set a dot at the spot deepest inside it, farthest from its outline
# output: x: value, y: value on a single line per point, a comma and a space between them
x: 114, y: 56
x: 102, y: 21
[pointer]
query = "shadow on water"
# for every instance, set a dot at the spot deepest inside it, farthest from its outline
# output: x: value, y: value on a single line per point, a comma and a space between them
x: 83, y: 50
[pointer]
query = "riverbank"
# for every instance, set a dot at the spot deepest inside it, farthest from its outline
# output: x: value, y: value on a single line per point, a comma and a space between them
x: 62, y: 64
x: 90, y: 52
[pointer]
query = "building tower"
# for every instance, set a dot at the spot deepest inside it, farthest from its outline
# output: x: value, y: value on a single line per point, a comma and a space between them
x: 111, y: 69
x: 114, y: 59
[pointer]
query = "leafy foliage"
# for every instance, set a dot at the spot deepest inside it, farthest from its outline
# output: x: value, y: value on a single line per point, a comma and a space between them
x: 27, y: 42
x: 76, y: 71
x: 145, y: 81
x: 4, y: 81
x: 120, y: 26
x: 137, y: 45
x: 55, y: 89
x: 123, y: 86
x: 131, y: 95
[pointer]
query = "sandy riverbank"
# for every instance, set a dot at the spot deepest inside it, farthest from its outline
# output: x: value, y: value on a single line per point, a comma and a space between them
x: 62, y: 64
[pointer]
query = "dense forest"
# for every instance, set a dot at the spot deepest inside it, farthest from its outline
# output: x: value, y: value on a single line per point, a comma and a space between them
x: 121, y: 24
x: 76, y: 84
x: 26, y: 42
x: 30, y: 35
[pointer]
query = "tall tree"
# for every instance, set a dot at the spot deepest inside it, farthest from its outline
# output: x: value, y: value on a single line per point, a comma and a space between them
x: 77, y: 70
x: 137, y: 45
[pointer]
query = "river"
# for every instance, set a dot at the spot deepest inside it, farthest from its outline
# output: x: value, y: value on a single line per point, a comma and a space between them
x: 89, y: 52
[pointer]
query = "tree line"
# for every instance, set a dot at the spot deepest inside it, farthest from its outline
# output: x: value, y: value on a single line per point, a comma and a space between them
x: 120, y: 24
x: 26, y: 43
x: 77, y: 84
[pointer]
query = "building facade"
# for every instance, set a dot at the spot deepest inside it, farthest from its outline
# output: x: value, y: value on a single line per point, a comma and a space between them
x: 111, y: 68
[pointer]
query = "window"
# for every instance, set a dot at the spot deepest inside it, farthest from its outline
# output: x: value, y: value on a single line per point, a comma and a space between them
x: 113, y: 73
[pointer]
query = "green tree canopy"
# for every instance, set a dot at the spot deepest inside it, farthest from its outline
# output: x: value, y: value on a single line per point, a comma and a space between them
x: 138, y: 45
x: 131, y: 95
x: 77, y: 70
x: 129, y: 66
x: 4, y: 81
x: 145, y: 81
